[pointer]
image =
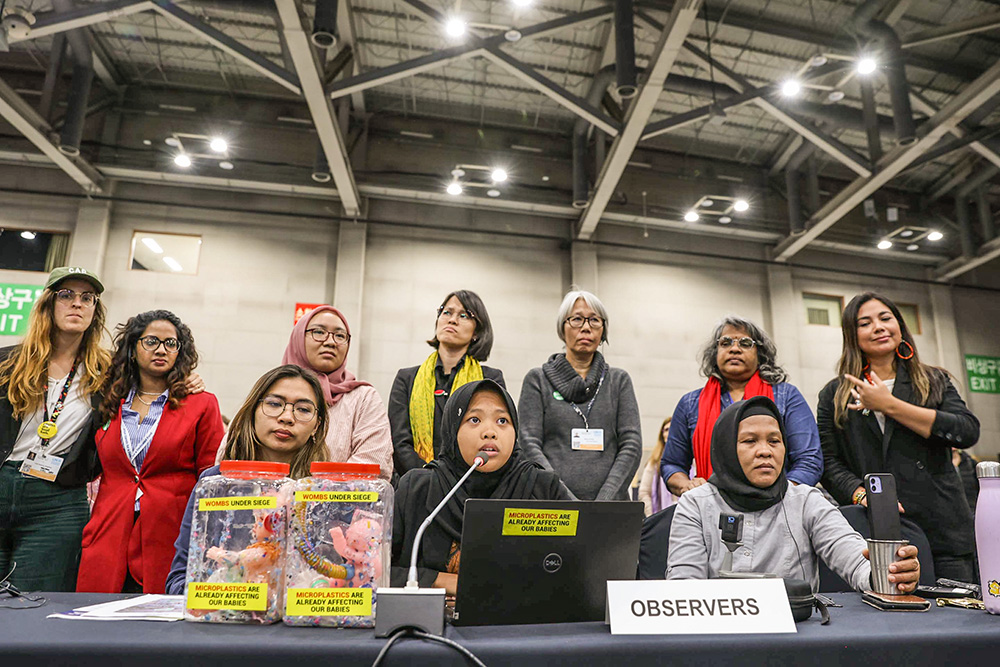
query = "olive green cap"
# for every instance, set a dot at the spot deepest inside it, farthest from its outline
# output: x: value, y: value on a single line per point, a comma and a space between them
x: 66, y: 272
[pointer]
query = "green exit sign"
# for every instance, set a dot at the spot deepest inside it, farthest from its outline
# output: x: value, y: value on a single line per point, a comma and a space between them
x: 984, y: 374
x: 15, y: 306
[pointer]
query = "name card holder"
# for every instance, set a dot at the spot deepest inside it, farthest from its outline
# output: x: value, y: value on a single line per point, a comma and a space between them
x: 699, y: 607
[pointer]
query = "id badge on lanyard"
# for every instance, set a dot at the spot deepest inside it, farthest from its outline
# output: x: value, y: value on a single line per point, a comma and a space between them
x: 37, y: 463
x: 588, y: 439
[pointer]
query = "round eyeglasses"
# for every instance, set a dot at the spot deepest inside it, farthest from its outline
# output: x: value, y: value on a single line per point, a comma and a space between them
x: 577, y: 322
x: 727, y: 342
x: 150, y: 343
x: 303, y: 411
x: 321, y: 335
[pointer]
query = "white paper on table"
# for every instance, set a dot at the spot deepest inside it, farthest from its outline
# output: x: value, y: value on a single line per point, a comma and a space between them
x: 142, y: 608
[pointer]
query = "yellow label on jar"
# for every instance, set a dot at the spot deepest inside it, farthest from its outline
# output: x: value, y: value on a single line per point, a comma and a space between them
x: 336, y: 496
x: 518, y: 521
x: 241, y: 597
x: 328, y: 602
x: 238, y: 503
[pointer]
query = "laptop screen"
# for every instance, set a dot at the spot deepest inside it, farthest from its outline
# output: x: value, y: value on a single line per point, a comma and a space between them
x: 529, y: 561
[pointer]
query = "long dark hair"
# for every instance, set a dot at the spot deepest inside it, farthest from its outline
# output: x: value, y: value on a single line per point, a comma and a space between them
x: 927, y: 380
x: 482, y: 338
x: 767, y: 352
x: 242, y: 443
x: 124, y: 375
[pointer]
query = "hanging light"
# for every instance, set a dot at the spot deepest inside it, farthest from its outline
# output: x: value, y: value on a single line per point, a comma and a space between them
x: 455, y: 27
x: 791, y: 88
x: 691, y: 216
x: 866, y: 66
x: 454, y: 188
x: 741, y: 205
x: 182, y: 160
x: 498, y: 175
x: 28, y: 236
x: 218, y: 144
x: 884, y: 244
x: 935, y: 236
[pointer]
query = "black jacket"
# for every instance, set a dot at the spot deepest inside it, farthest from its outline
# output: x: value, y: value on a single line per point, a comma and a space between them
x: 79, y: 463
x: 404, y: 457
x: 928, y: 485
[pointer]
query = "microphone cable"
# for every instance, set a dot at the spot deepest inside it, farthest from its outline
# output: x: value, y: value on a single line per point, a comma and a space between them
x: 419, y: 634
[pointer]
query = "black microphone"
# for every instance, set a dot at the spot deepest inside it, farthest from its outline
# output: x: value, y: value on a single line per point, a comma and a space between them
x: 411, y: 580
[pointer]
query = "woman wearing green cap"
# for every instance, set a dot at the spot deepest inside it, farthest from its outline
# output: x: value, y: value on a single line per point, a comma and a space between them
x: 49, y: 385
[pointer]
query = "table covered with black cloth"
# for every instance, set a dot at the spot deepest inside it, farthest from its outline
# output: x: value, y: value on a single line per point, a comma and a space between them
x: 857, y: 635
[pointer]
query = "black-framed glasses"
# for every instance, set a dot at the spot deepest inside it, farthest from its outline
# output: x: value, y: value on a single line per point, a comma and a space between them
x: 150, y: 343
x: 727, y: 342
x: 448, y: 313
x: 577, y: 321
x: 321, y: 335
x: 88, y: 299
x: 303, y: 411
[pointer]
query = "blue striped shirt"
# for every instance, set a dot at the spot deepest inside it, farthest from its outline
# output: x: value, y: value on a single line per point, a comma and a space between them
x: 136, y: 434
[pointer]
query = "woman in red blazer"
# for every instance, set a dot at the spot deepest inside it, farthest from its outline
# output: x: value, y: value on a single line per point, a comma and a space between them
x: 155, y: 441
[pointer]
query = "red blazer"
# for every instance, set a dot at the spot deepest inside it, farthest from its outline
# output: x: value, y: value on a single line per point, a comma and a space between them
x: 183, y: 446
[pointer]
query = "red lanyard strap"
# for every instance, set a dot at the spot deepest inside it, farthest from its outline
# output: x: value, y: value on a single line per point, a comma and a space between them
x: 58, y: 407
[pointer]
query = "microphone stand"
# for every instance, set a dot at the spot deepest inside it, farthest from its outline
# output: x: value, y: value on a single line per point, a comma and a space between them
x: 412, y: 606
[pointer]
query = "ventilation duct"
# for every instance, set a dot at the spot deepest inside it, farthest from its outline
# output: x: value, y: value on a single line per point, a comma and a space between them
x: 604, y: 78
x: 321, y: 168
x: 324, y: 32
x: 985, y: 214
x: 625, y: 49
x: 793, y: 181
x: 79, y: 91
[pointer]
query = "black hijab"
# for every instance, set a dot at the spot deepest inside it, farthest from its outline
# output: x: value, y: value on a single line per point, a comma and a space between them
x: 727, y: 473
x: 516, y: 479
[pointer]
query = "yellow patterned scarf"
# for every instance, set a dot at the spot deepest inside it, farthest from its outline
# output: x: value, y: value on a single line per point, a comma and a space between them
x: 422, y: 400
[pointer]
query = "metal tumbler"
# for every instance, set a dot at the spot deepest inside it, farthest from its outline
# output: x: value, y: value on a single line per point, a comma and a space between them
x: 882, y: 554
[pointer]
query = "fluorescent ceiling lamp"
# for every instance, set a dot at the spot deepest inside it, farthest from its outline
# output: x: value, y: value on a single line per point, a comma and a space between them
x: 691, y: 216
x: 152, y: 245
x: 182, y: 160
x: 173, y: 264
x: 498, y: 175
x: 454, y: 188
x: 525, y: 149
x: 741, y: 205
x: 418, y: 135
x: 28, y: 236
x: 935, y: 236
x: 218, y: 144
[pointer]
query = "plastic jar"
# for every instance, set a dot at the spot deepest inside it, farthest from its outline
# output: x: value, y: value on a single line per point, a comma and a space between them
x: 236, y: 556
x: 339, y: 546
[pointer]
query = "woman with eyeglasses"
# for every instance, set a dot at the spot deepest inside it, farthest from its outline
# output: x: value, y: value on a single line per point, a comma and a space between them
x: 282, y: 420
x: 579, y: 416
x: 155, y: 440
x: 359, y: 428
x: 739, y: 361
x: 886, y: 411
x: 463, y: 338
x: 49, y: 387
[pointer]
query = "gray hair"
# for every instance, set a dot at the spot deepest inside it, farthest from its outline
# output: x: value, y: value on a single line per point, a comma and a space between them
x: 767, y: 352
x: 567, y: 305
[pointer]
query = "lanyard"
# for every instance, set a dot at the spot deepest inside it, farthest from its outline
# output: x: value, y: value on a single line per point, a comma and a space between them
x: 591, y: 404
x: 47, y: 430
x: 133, y: 449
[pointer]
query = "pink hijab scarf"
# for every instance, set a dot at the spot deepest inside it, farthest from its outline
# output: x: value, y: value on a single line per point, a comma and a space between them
x: 334, y: 384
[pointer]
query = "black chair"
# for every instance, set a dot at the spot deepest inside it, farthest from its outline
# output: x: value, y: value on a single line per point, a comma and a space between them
x: 857, y: 516
x: 654, y: 544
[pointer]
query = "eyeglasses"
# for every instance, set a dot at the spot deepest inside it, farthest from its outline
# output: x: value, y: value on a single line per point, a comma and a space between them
x: 577, y: 322
x: 727, y: 342
x: 303, y: 411
x: 321, y: 335
x: 88, y: 299
x: 151, y: 343
x: 448, y: 313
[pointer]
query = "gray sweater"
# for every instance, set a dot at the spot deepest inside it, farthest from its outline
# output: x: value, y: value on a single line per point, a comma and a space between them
x: 784, y: 539
x: 546, y: 423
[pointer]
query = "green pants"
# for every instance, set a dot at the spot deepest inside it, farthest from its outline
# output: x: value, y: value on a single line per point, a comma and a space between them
x: 41, y: 526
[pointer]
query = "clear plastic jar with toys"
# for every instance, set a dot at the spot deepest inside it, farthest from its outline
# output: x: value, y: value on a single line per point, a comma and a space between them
x: 339, y: 546
x: 236, y: 558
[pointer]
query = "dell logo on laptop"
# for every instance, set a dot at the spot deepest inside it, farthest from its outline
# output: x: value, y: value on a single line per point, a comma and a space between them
x: 552, y: 563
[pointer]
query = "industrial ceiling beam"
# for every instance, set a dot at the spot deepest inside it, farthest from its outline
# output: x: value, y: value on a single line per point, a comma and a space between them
x: 951, y: 114
x: 36, y: 129
x: 985, y: 149
x: 957, y: 267
x: 951, y: 179
x: 641, y: 108
x: 51, y: 23
x: 953, y: 30
x: 224, y: 42
x: 349, y: 39
x: 310, y: 75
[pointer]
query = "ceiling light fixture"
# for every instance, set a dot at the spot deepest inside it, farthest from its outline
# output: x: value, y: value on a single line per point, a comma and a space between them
x: 454, y: 188
x: 513, y: 35
x: 455, y: 27
x: 173, y: 264
x: 835, y: 96
x: 218, y: 144
x: 182, y: 160
x: 912, y: 247
x: 866, y: 66
x: 791, y: 88
x: 521, y: 3
x: 493, y: 192
x: 691, y: 216
x: 884, y: 244
x: 725, y: 220
x: 152, y: 245
x: 227, y: 165
x: 741, y: 205
x: 172, y: 141
x: 707, y: 203
x: 28, y: 236
x: 498, y: 175
x: 935, y: 236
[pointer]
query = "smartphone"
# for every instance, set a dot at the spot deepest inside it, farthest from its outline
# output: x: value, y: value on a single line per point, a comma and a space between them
x: 883, y: 506
x: 945, y: 592
x: 895, y: 602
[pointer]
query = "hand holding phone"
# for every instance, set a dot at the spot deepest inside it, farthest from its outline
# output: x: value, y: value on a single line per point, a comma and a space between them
x: 883, y: 506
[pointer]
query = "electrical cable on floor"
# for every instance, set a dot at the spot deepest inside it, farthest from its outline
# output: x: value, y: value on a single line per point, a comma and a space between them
x: 418, y: 634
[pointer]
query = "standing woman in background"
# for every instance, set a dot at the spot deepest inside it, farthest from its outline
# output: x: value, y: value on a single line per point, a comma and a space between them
x: 887, y: 411
x: 579, y: 416
x: 463, y: 337
x: 359, y: 427
x: 653, y: 492
x: 155, y: 441
x: 49, y: 387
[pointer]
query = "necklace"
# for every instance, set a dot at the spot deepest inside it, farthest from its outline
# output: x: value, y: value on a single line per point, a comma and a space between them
x: 142, y: 401
x: 150, y: 393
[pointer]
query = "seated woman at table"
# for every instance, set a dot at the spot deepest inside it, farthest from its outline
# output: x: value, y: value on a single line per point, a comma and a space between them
x: 479, y: 417
x: 786, y: 526
x: 284, y: 419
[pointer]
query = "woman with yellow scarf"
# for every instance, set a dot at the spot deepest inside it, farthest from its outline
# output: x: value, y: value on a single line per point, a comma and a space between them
x: 463, y: 337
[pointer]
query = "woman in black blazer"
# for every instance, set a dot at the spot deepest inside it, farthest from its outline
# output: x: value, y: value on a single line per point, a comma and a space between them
x: 887, y: 412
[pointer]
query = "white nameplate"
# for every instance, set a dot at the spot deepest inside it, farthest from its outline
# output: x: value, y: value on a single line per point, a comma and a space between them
x: 699, y: 607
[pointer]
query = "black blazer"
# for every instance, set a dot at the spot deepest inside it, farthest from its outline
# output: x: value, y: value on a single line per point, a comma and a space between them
x: 404, y: 457
x: 928, y: 484
x: 79, y: 463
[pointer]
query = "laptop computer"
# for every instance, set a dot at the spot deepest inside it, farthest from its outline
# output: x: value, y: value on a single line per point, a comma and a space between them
x: 529, y: 561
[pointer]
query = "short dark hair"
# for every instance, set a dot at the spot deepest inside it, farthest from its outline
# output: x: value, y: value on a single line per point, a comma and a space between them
x: 482, y: 337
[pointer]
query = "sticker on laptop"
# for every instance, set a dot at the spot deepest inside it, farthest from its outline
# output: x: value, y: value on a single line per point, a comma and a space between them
x: 522, y: 521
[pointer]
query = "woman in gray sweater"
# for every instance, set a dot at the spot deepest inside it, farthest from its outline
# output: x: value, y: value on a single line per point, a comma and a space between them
x: 579, y: 416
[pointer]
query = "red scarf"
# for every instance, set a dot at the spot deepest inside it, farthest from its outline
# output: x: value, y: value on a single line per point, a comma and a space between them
x: 709, y: 409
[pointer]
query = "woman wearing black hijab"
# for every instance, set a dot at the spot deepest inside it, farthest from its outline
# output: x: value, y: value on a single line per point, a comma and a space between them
x: 785, y: 526
x: 479, y: 417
